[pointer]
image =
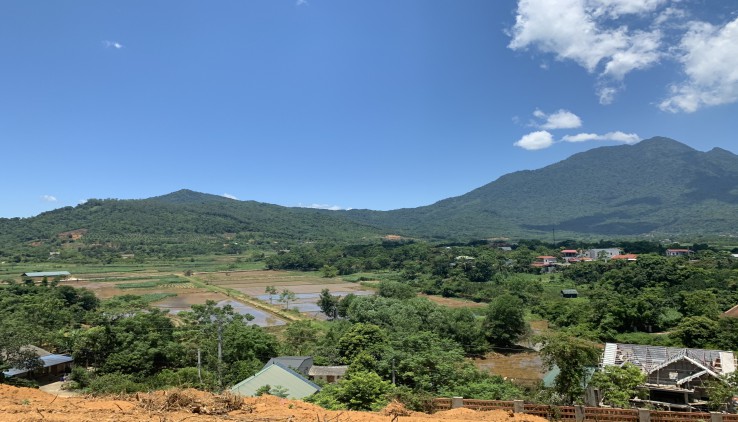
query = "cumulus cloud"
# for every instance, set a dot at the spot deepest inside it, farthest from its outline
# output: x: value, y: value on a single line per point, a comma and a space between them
x: 113, y: 44
x: 612, y: 38
x: 229, y: 196
x: 587, y: 32
x: 627, y: 138
x: 617, y: 8
x: 574, y: 30
x: 709, y: 55
x: 535, y: 140
x: 324, y: 207
x: 48, y: 198
x: 562, y: 119
x: 543, y: 139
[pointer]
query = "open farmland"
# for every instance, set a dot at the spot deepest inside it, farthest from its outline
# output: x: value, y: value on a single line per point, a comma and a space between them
x: 168, y: 292
x: 306, y: 286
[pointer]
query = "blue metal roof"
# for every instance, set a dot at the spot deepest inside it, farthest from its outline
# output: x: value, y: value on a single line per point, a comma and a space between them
x: 48, y: 360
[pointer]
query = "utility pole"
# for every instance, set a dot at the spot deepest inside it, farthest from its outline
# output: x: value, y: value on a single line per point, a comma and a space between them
x: 220, y: 353
x: 199, y: 365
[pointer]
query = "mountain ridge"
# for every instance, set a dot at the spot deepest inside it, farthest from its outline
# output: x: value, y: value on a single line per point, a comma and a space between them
x: 656, y: 187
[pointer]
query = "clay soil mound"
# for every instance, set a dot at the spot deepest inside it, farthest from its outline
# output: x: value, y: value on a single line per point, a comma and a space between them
x: 25, y: 404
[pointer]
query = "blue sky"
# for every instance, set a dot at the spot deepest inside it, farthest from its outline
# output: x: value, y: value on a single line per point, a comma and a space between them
x: 347, y: 104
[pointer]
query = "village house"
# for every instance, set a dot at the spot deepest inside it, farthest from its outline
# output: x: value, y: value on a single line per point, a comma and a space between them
x: 569, y: 293
x: 275, y: 376
x: 544, y: 261
x: 602, y: 253
x: 679, y: 252
x: 675, y: 377
x: 570, y: 255
x: 625, y: 257
x: 51, y: 366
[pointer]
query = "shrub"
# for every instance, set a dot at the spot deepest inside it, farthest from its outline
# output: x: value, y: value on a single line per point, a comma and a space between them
x: 115, y: 384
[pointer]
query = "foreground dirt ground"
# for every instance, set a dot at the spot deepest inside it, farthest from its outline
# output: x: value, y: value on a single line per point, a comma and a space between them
x: 24, y: 404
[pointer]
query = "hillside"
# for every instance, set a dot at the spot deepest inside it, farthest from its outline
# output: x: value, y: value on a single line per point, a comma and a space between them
x: 182, y: 217
x: 658, y: 186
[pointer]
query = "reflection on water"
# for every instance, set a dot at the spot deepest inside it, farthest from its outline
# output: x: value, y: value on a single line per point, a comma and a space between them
x: 261, y: 318
x: 307, y: 302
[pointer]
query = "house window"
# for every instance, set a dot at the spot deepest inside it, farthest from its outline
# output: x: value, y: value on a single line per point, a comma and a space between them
x: 673, y: 375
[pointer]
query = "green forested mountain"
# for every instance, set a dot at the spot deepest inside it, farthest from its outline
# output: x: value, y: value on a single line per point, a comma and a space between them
x: 656, y: 186
x: 180, y: 218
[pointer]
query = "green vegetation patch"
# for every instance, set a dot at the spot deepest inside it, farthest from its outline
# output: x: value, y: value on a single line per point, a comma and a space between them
x: 155, y: 297
x: 153, y: 283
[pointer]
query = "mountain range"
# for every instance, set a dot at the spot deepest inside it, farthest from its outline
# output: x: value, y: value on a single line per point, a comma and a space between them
x: 655, y: 187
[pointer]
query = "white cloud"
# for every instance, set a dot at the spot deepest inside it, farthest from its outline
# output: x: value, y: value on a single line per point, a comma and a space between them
x: 668, y: 15
x: 617, y: 8
x: 301, y: 3
x: 710, y: 57
x: 606, y: 94
x: 535, y: 140
x: 324, y: 207
x: 574, y: 30
x: 627, y: 138
x: 113, y: 44
x: 48, y: 198
x: 229, y: 196
x: 588, y: 33
x: 562, y: 119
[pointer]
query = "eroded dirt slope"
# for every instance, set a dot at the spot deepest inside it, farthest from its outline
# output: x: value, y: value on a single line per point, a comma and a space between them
x: 24, y: 404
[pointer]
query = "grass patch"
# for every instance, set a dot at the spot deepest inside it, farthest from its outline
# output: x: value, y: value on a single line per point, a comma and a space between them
x: 155, y: 297
x: 371, y: 277
x: 153, y: 283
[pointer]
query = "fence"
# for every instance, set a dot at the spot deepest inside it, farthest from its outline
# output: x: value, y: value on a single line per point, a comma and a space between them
x: 582, y: 413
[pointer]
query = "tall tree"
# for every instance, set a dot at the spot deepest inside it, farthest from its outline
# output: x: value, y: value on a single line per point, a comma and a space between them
x: 504, y: 321
x: 572, y: 356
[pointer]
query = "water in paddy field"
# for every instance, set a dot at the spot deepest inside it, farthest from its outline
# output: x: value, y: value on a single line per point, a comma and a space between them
x: 307, y: 302
x: 261, y: 318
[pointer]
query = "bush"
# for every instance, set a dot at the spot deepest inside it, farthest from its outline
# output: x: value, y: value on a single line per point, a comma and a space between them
x: 115, y: 384
x: 419, y: 401
x: 183, y: 378
x: 80, y: 376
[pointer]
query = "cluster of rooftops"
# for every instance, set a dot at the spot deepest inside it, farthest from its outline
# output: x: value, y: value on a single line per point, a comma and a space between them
x: 569, y: 256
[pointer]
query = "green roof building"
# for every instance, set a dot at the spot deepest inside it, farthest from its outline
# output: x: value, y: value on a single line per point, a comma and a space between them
x: 277, y: 375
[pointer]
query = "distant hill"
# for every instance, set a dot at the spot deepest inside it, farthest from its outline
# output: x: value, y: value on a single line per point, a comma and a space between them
x: 658, y: 186
x: 182, y: 217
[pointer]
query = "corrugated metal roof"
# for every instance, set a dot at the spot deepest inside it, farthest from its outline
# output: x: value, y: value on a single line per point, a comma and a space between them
x: 296, y: 386
x: 48, y: 360
x: 650, y: 358
x: 47, y: 274
x: 300, y: 364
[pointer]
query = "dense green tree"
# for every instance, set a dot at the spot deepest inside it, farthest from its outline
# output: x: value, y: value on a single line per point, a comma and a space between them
x: 619, y: 384
x: 328, y: 303
x: 302, y: 337
x: 572, y: 356
x: 397, y: 290
x: 504, y: 321
x: 696, y: 331
x: 367, y: 338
